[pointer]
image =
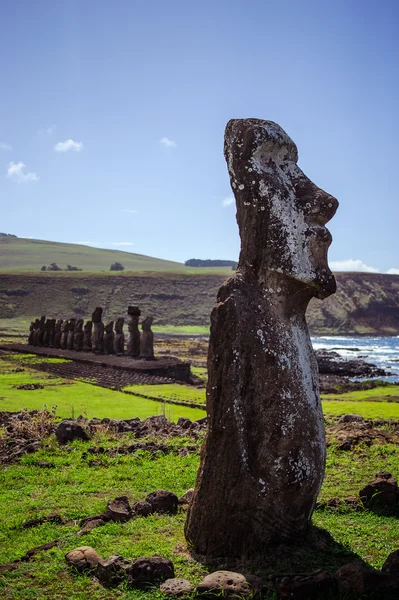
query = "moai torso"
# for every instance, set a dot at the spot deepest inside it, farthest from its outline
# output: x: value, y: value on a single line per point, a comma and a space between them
x: 64, y: 335
x: 133, y: 344
x: 147, y: 340
x: 98, y: 331
x: 119, y: 342
x: 57, y: 336
x: 78, y: 336
x: 71, y: 333
x: 87, y: 344
x: 109, y: 338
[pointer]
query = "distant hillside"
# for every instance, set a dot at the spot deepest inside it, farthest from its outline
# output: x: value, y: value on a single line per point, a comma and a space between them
x: 365, y: 303
x: 20, y: 254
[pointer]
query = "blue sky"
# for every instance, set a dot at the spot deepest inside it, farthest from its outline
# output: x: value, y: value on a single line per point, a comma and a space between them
x: 112, y: 117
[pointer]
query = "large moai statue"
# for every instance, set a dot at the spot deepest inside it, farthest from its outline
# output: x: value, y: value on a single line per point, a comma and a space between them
x: 51, y: 335
x: 98, y: 330
x: 39, y: 334
x: 263, y: 459
x: 119, y: 341
x: 71, y: 333
x: 32, y: 330
x: 109, y: 338
x: 147, y: 340
x: 87, y: 345
x: 78, y: 336
x: 64, y: 335
x: 57, y: 334
x: 46, y: 332
x: 133, y: 343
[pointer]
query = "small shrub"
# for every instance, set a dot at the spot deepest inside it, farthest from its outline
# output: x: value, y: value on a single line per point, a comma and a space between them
x: 117, y: 266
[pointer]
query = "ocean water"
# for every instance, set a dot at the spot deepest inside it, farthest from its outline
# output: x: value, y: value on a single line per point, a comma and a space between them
x: 380, y: 351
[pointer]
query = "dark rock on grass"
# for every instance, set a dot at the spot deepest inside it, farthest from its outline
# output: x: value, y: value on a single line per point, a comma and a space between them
x: 177, y: 588
x: 314, y: 586
x: 90, y: 525
x: 360, y: 579
x: 351, y: 419
x: 391, y: 565
x: 30, y: 386
x: 150, y: 570
x: 187, y: 497
x: 69, y: 430
x: 119, y: 509
x: 112, y: 572
x: 163, y: 501
x: 51, y: 518
x: 231, y: 584
x: 381, y: 492
x: 83, y: 558
x: 86, y: 520
x: 184, y: 423
x: 142, y: 508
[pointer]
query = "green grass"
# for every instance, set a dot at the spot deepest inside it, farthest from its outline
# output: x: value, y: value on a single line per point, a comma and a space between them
x: 172, y: 391
x: 386, y: 393
x: 367, y: 409
x: 181, y: 329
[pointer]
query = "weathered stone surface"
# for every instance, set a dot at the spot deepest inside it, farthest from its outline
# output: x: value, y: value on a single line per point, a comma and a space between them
x: 83, y: 558
x: 233, y: 585
x: 69, y: 430
x: 57, y: 335
x: 360, y: 579
x: 119, y: 509
x: 78, y: 335
x: 147, y: 340
x: 133, y: 344
x: 313, y: 586
x: 391, y: 565
x: 351, y: 419
x: 109, y: 338
x: 90, y: 525
x: 187, y: 498
x: 150, y: 570
x: 142, y: 508
x: 98, y: 331
x: 64, y: 335
x: 87, y: 330
x: 71, y: 333
x: 262, y: 463
x: 380, y: 492
x: 112, y: 572
x: 119, y: 341
x: 163, y: 501
x: 177, y: 588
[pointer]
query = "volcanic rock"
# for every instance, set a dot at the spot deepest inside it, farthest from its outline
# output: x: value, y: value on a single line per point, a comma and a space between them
x: 112, y: 572
x: 69, y: 430
x: 83, y: 558
x: 163, y: 501
x: 231, y: 584
x: 176, y: 588
x: 150, y: 570
x: 119, y: 509
x: 380, y: 492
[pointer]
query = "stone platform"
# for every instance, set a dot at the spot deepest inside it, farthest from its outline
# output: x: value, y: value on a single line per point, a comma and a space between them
x: 134, y: 370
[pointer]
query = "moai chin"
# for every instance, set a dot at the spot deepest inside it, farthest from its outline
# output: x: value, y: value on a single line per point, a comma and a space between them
x: 147, y: 340
x: 109, y: 338
x: 78, y: 336
x: 87, y: 329
x: 71, y: 333
x: 119, y: 341
x: 263, y: 459
x: 133, y: 344
x: 98, y: 331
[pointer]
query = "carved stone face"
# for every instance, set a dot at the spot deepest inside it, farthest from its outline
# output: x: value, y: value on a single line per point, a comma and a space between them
x: 283, y: 209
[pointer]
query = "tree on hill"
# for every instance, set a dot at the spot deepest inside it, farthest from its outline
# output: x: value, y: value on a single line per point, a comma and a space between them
x: 44, y: 268
x: 72, y: 268
x: 117, y: 266
x: 54, y: 267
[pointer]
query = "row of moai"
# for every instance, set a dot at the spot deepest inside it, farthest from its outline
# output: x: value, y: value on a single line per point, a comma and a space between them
x: 95, y: 336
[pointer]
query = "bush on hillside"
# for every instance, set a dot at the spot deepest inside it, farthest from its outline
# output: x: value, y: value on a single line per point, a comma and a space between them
x: 117, y: 266
x: 54, y: 267
x: 44, y: 268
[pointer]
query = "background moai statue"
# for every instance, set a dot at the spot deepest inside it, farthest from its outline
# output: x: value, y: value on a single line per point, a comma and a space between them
x: 263, y: 459
x: 133, y: 343
x: 32, y: 329
x: 98, y: 331
x: 78, y: 336
x: 147, y: 340
x: 71, y: 333
x: 46, y: 333
x: 109, y: 338
x: 119, y: 342
x: 51, y: 337
x: 87, y: 345
x: 64, y: 335
x: 40, y: 332
x: 57, y: 336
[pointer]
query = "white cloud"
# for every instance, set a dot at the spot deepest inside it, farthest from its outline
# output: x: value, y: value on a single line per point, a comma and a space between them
x: 50, y: 129
x: 228, y: 201
x: 122, y: 244
x: 68, y: 145
x: 16, y: 172
x: 352, y: 265
x: 4, y: 146
x: 393, y: 271
x: 167, y: 143
x: 128, y: 210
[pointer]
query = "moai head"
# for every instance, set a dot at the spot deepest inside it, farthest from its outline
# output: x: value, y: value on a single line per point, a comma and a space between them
x: 109, y: 327
x: 88, y: 326
x: 119, y: 325
x: 281, y: 214
x: 146, y: 324
x: 58, y: 325
x: 42, y: 322
x: 72, y: 323
x: 133, y: 311
x: 79, y: 325
x: 97, y: 315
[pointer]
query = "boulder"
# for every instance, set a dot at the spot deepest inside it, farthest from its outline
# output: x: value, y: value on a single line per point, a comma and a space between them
x: 69, y: 430
x: 361, y: 579
x: 177, y: 588
x: 391, y: 565
x: 380, y: 492
x: 315, y: 586
x: 351, y: 419
x: 150, y: 570
x: 142, y: 508
x: 231, y: 584
x: 112, y: 572
x: 187, y: 497
x: 163, y: 501
x: 83, y: 558
x: 118, y: 509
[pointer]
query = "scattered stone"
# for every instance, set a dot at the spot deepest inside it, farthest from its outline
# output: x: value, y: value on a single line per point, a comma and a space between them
x: 112, y: 572
x: 184, y: 423
x: 119, y: 509
x: 83, y: 558
x: 360, y: 579
x: 351, y: 419
x: 233, y: 585
x: 30, y: 386
x: 150, y: 570
x: 52, y: 518
x: 380, y: 492
x: 69, y: 430
x: 391, y: 565
x: 187, y: 497
x: 176, y: 587
x: 163, y: 501
x: 91, y: 524
x: 142, y: 508
x: 315, y: 586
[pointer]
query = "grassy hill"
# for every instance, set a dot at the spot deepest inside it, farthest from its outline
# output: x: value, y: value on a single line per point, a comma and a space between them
x: 20, y: 254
